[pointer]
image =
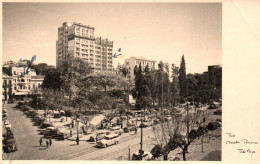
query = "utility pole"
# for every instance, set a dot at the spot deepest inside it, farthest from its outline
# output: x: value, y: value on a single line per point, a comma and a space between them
x: 141, y: 152
x: 162, y: 93
x: 129, y: 153
x: 188, y: 127
x: 202, y: 143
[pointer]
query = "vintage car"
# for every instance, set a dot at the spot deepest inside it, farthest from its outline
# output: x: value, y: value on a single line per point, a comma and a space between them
x: 116, y: 130
x: 108, y: 140
x: 10, y: 147
x: 146, y: 156
x: 218, y: 112
x: 46, y: 124
x: 99, y: 136
x: 4, y: 116
x: 31, y: 113
x: 56, y: 134
x: 129, y: 128
x: 213, y: 125
x: 8, y: 141
x: 42, y: 131
x: 8, y: 136
x: 6, y: 122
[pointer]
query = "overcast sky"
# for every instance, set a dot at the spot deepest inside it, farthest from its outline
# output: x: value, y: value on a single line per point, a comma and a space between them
x: 156, y: 31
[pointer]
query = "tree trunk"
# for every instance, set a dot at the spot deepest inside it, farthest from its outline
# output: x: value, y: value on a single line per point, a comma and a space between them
x: 165, y: 157
x: 184, y: 155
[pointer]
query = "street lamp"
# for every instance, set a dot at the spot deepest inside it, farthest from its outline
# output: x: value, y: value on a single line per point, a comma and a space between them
x: 188, y: 120
x: 77, y: 140
x: 141, y: 152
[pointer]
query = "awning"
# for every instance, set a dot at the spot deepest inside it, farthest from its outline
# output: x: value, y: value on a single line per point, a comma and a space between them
x: 96, y: 120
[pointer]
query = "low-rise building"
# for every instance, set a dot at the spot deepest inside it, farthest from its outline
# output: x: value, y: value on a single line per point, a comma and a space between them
x: 131, y: 62
x: 18, y: 84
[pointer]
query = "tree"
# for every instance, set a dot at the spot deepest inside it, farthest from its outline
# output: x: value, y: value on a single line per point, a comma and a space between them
x: 167, y: 134
x: 52, y: 80
x: 191, y: 84
x: 175, y: 85
x: 170, y: 135
x: 125, y: 71
x: 105, y: 80
x: 146, y: 69
x: 73, y: 71
x: 182, y: 78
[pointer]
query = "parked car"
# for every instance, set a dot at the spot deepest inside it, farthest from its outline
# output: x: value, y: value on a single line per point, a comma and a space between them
x: 10, y: 147
x: 6, y: 122
x: 47, y: 129
x: 145, y: 157
x: 46, y: 124
x: 39, y: 121
x: 116, y: 130
x: 129, y: 129
x: 4, y: 115
x: 219, y: 120
x: 8, y: 141
x: 213, y: 125
x: 99, y: 136
x: 108, y: 140
x: 144, y: 125
x: 31, y: 113
x: 218, y: 112
x: 56, y: 134
x: 8, y: 136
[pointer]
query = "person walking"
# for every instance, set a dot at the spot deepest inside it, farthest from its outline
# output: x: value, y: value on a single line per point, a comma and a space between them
x: 40, y: 141
x: 50, y: 142
x: 47, y: 143
x: 135, y: 130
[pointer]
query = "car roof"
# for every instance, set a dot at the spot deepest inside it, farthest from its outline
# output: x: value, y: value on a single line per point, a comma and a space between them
x: 112, y: 135
x: 51, y: 128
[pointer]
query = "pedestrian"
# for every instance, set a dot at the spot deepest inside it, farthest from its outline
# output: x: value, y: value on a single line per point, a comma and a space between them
x: 40, y: 141
x: 50, y: 141
x: 47, y: 143
x: 70, y: 133
x: 135, y: 130
x: 77, y: 140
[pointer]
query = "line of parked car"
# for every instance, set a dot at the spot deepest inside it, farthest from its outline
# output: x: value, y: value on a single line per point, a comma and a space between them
x: 48, y: 130
x: 8, y: 138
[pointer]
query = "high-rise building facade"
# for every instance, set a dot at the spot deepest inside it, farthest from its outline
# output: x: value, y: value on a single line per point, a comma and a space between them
x: 78, y: 40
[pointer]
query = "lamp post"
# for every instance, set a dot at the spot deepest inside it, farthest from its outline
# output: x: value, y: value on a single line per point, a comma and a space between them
x: 141, y: 152
x: 188, y: 120
x: 77, y: 140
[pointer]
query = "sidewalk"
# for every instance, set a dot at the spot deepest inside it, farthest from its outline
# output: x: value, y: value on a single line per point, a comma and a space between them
x: 211, y: 152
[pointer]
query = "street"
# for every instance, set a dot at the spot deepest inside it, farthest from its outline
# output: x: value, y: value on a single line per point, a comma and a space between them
x: 27, y: 138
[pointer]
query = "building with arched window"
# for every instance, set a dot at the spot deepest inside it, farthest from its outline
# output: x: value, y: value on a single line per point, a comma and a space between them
x: 18, y: 84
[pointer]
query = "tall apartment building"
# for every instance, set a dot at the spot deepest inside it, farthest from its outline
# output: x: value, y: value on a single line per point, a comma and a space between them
x: 78, y: 40
x: 133, y: 61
